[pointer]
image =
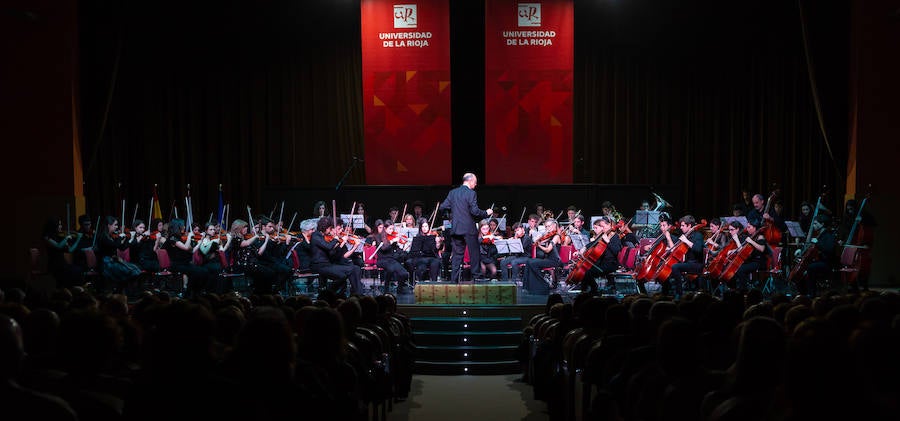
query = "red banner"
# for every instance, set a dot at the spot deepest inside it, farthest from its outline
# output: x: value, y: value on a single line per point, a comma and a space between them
x: 529, y: 58
x: 406, y: 91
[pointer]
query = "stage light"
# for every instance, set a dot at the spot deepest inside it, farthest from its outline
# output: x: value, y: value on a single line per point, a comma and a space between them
x: 464, y: 312
x: 465, y: 339
x: 465, y: 354
x: 465, y: 325
x: 466, y: 369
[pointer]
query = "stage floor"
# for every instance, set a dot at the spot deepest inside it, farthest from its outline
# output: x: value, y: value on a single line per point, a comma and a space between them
x: 407, y: 296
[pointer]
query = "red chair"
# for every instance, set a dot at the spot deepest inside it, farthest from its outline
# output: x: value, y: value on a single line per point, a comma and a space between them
x: 124, y: 254
x: 168, y: 279
x: 229, y: 274
x: 850, y: 264
x: 370, y: 266
x: 300, y: 273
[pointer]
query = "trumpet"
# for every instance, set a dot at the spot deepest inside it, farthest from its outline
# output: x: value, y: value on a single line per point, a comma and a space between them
x: 660, y: 202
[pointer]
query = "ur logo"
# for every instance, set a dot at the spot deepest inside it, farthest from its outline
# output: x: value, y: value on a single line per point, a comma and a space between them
x: 529, y: 14
x: 405, y: 16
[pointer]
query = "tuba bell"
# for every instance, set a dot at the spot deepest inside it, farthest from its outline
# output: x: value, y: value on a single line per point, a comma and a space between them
x: 660, y: 202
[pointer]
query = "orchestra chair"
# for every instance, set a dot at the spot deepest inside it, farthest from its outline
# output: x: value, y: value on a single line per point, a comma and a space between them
x: 168, y: 280
x: 370, y: 268
x: 301, y: 273
x: 849, y: 265
x: 773, y: 273
x: 36, y: 270
x: 239, y: 280
x: 91, y: 274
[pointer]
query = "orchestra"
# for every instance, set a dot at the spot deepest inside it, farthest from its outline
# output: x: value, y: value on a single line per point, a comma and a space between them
x: 730, y: 252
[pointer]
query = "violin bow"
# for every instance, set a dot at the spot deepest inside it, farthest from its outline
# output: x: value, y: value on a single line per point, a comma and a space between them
x: 333, y: 213
x: 135, y: 214
x: 434, y: 215
x: 68, y: 216
x: 280, y: 214
x: 292, y: 222
x: 521, y: 218
x: 402, y: 215
x: 250, y: 218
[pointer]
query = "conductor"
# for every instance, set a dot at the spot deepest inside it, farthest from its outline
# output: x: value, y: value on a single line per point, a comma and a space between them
x: 462, y: 202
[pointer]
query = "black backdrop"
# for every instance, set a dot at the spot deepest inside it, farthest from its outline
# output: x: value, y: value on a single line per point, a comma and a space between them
x: 705, y: 96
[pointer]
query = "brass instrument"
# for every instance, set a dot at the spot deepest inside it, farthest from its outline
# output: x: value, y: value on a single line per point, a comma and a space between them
x: 660, y: 202
x: 548, y: 214
x: 617, y: 216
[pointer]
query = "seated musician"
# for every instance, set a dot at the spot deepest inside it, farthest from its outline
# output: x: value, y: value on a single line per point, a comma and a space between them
x: 303, y: 247
x: 377, y: 229
x: 273, y: 257
x: 366, y: 229
x: 320, y: 210
x: 693, y: 260
x: 488, y: 250
x: 409, y: 221
x: 330, y: 258
x: 208, y: 249
x: 608, y: 262
x: 393, y: 215
x: 513, y: 261
x: 717, y: 241
x: 546, y: 256
x: 757, y: 259
x: 180, y: 246
x: 423, y: 254
x: 665, y: 228
x: 823, y: 268
x: 567, y: 219
x: 391, y: 257
x: 142, y: 247
x: 418, y: 210
x: 576, y: 227
x: 533, y: 229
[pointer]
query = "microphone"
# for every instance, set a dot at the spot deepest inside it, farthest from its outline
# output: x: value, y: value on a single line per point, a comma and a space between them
x: 357, y: 159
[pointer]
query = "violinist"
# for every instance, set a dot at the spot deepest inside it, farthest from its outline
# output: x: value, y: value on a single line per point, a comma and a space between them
x: 273, y: 256
x: 142, y: 247
x: 576, y: 227
x: 805, y: 218
x: 303, y: 246
x: 418, y: 210
x: 331, y: 259
x: 86, y: 240
x: 320, y: 209
x: 822, y: 269
x: 534, y: 227
x: 393, y: 215
x: 603, y: 231
x: 180, y: 248
x: 409, y: 221
x: 424, y: 252
x: 108, y: 242
x: 244, y: 253
x: 208, y: 250
x: 514, y: 260
x: 569, y: 217
x: 367, y: 221
x: 546, y: 256
x: 391, y: 257
x: 693, y: 259
x: 488, y: 250
x: 58, y: 244
x: 377, y: 230
x: 493, y: 225
x: 757, y: 258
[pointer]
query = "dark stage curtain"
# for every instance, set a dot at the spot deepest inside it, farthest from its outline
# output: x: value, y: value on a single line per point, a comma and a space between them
x: 710, y: 96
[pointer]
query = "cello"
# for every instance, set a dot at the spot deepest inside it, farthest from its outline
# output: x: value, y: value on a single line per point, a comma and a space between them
x: 809, y: 252
x: 772, y: 233
x: 586, y: 261
x: 654, y: 256
x: 717, y: 264
x: 739, y: 256
x: 674, y: 255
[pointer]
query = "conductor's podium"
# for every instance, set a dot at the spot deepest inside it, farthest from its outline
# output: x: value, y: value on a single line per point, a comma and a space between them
x: 493, y: 293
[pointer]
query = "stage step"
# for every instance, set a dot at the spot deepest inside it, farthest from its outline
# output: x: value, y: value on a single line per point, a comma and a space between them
x: 468, y: 339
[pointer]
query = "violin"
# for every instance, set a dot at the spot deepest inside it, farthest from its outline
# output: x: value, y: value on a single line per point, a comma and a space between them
x: 401, y: 239
x: 548, y: 235
x: 489, y: 239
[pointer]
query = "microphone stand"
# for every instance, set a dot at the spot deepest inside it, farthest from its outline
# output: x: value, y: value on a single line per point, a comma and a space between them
x: 346, y: 173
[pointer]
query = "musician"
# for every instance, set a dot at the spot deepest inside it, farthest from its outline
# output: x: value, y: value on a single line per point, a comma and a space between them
x: 86, y: 228
x: 758, y: 212
x: 805, y: 218
x: 863, y: 237
x: 488, y: 250
x: 180, y: 248
x: 143, y: 246
x: 645, y: 205
x: 693, y: 259
x: 576, y: 227
x: 757, y: 258
x: 367, y: 220
x: 418, y: 210
x: 424, y: 252
x: 602, y: 230
x: 391, y: 258
x: 546, y: 256
x: 377, y: 229
x: 719, y: 238
x: 607, y: 209
x: 514, y: 260
x: 462, y: 202
x: 665, y: 227
x: 330, y: 259
x: 303, y: 246
x: 320, y: 209
x: 409, y: 221
x: 273, y: 255
x: 493, y: 225
x: 534, y: 228
x: 59, y: 243
x: 571, y: 211
x: 393, y: 215
x: 823, y: 268
x: 109, y: 242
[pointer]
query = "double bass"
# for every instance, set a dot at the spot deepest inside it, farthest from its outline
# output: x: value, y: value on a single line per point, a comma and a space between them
x: 809, y: 253
x: 773, y: 234
x: 674, y: 255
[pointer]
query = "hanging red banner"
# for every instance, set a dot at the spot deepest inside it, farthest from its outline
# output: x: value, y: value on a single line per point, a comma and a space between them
x: 406, y: 91
x: 529, y: 60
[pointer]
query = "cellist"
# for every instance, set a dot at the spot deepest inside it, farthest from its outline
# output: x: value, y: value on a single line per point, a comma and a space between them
x: 693, y: 259
x: 757, y: 258
x: 608, y: 262
x: 822, y: 268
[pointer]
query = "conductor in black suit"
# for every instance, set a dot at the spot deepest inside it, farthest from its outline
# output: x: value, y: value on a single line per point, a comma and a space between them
x: 462, y: 202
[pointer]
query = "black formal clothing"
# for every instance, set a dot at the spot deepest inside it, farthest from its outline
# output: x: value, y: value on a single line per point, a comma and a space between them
x: 693, y: 262
x: 462, y: 202
x: 513, y: 261
x: 754, y: 263
x: 533, y: 280
x: 606, y: 264
x: 143, y: 254
x: 821, y: 269
x: 329, y: 262
x: 390, y: 259
x: 182, y: 262
x: 275, y: 258
x: 66, y: 274
x: 423, y: 256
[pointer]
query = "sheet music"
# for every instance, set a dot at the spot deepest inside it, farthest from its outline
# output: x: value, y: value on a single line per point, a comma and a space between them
x: 514, y: 245
x: 579, y: 241
x: 502, y: 246
x: 357, y: 222
x: 741, y: 219
x: 794, y: 229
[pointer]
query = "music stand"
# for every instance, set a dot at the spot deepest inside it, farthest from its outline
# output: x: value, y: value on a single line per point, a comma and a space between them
x: 579, y: 241
x: 357, y: 220
x: 646, y: 218
x: 408, y: 232
x: 794, y: 229
x: 727, y: 220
